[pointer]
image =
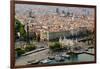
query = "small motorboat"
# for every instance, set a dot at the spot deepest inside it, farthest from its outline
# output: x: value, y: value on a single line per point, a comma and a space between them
x: 33, y: 62
x: 45, y: 61
x: 51, y: 57
x: 59, y: 58
x: 65, y: 55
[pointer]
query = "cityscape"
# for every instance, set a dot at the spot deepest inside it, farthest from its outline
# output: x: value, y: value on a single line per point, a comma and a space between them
x: 47, y: 34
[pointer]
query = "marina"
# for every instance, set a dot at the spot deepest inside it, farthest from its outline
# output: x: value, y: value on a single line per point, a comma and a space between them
x: 55, y: 59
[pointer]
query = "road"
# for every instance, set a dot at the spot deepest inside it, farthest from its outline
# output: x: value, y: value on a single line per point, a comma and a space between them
x: 34, y: 56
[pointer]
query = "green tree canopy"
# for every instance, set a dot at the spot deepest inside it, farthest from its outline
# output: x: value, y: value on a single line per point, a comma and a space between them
x: 55, y: 46
x: 19, y: 27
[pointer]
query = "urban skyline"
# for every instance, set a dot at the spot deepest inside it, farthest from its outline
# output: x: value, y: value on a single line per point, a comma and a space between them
x: 46, y: 9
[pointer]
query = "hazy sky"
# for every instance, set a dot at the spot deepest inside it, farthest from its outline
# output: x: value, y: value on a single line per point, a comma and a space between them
x: 46, y: 9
